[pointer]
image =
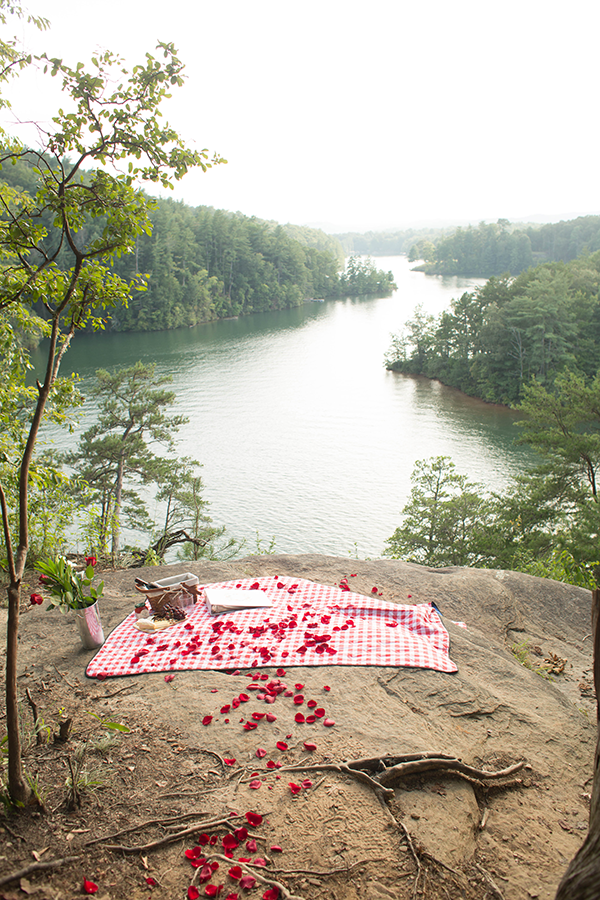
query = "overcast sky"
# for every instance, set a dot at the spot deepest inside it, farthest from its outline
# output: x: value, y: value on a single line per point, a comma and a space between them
x: 352, y: 115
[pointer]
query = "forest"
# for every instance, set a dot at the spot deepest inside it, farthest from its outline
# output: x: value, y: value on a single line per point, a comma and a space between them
x: 493, y: 341
x: 202, y: 263
x: 501, y: 248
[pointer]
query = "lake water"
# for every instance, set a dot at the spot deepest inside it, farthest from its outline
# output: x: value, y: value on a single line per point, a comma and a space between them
x: 302, y: 433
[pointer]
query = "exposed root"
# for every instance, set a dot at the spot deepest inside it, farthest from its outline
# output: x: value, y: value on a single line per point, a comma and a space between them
x: 37, y: 867
x: 283, y: 891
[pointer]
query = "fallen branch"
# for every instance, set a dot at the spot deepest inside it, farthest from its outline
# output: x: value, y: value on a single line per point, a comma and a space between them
x: 37, y: 867
x: 376, y: 763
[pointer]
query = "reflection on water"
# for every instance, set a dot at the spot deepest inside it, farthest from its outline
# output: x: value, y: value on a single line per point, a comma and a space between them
x: 301, y: 432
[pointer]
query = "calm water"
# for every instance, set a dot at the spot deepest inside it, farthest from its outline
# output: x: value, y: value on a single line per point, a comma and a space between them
x: 302, y: 433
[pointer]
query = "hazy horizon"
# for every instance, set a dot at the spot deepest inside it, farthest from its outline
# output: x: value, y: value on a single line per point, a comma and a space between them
x: 355, y: 120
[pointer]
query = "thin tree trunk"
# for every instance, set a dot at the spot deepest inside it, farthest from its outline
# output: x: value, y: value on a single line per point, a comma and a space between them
x: 581, y: 881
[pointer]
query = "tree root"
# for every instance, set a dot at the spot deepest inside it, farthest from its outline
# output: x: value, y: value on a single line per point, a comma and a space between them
x: 251, y: 870
x: 170, y: 838
x: 343, y: 769
x: 37, y: 867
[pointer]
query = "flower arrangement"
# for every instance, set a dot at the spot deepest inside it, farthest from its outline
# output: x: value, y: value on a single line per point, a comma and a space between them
x: 68, y: 589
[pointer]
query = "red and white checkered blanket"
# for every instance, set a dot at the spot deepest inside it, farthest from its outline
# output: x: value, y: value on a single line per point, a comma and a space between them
x: 308, y: 624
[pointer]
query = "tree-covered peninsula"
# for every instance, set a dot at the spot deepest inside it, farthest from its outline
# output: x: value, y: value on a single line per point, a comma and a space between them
x: 498, y: 248
x: 493, y: 341
x: 202, y: 263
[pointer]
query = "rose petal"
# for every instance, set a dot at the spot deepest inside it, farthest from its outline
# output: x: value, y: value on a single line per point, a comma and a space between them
x: 260, y: 752
x: 247, y: 882
x: 169, y: 678
x: 89, y: 887
x: 207, y: 720
x: 308, y: 745
x: 235, y: 872
x: 271, y: 893
x: 294, y: 788
x: 241, y: 833
x: 328, y: 723
x: 229, y: 762
x: 254, y: 819
x: 251, y: 846
x: 255, y: 784
x: 192, y: 892
x: 299, y: 718
x: 281, y: 745
x: 270, y: 717
x: 275, y: 848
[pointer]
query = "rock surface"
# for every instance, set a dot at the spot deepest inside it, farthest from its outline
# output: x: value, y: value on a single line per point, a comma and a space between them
x: 501, y: 706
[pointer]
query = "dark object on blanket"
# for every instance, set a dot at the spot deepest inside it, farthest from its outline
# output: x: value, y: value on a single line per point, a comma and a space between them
x: 175, y: 613
x: 179, y: 591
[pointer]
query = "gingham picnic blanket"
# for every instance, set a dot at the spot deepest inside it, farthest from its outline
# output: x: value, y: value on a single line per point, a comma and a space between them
x: 308, y: 624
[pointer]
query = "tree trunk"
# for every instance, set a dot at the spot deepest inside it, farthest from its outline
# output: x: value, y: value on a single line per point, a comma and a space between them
x: 19, y: 792
x: 581, y: 881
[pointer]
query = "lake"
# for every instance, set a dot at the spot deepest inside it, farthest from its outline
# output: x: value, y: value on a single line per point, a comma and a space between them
x: 302, y: 433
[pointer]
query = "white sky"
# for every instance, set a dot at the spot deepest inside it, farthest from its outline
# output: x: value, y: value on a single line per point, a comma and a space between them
x: 353, y: 115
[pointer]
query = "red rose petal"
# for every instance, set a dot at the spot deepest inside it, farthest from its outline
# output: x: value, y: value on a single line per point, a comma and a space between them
x: 275, y: 848
x: 255, y: 784
x: 270, y: 717
x: 254, y: 819
x: 89, y: 887
x: 311, y: 704
x: 326, y: 687
x: 319, y: 712
x: 260, y: 752
x: 309, y: 745
x: 310, y: 719
x: 192, y: 892
x: 235, y: 872
x: 328, y: 723
x: 169, y: 678
x: 259, y: 861
x: 271, y: 893
x: 207, y: 720
x: 281, y: 745
x: 294, y: 788
x: 251, y: 846
x: 229, y: 762
x: 298, y: 687
x: 298, y: 699
x: 229, y: 842
x: 247, y: 882
x: 299, y: 718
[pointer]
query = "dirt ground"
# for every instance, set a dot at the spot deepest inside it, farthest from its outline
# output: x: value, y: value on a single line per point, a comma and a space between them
x: 148, y: 794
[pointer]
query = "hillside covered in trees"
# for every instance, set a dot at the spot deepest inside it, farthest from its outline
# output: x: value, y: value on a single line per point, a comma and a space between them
x: 500, y: 248
x: 491, y: 342
x: 202, y: 263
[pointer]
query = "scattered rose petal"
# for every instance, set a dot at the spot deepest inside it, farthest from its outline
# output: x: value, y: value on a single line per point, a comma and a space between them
x: 326, y: 687
x: 211, y: 890
x: 233, y: 896
x: 229, y: 762
x: 247, y: 882
x: 255, y: 784
x: 271, y: 893
x: 169, y: 678
x: 311, y: 704
x: 259, y: 861
x: 192, y: 892
x: 251, y: 846
x: 254, y: 819
x: 207, y: 720
x: 319, y: 712
x: 309, y: 745
x: 299, y: 718
x: 307, y: 783
x: 281, y: 745
x: 275, y: 848
x: 298, y: 687
x: 310, y: 719
x: 260, y: 752
x: 89, y: 887
x: 328, y: 723
x: 298, y: 699
x: 153, y: 882
x: 241, y: 833
x: 235, y: 872
x: 229, y: 842
x: 294, y: 788
x: 270, y: 717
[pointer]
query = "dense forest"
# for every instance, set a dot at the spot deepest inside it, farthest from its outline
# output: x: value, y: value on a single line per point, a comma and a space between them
x: 500, y: 248
x: 493, y: 341
x: 202, y: 263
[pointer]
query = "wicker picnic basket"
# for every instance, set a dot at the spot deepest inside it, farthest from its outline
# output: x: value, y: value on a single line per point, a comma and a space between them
x: 177, y: 591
